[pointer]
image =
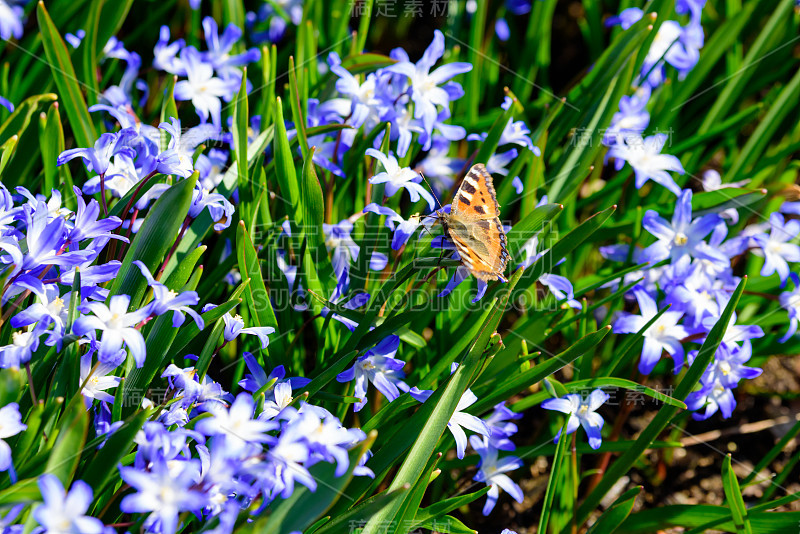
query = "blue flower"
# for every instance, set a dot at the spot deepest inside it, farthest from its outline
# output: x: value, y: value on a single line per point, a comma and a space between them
x: 88, y: 226
x: 501, y: 426
x: 49, y: 308
x: 219, y: 208
x: 728, y: 367
x: 10, y: 425
x: 219, y: 50
x: 461, y: 418
x: 683, y: 235
x: 676, y: 45
x: 46, y: 241
x: 166, y: 300
x: 497, y: 162
x: 234, y: 325
x: 380, y: 367
x: 165, y: 490
x: 644, y: 155
x: 492, y: 472
x: 327, y: 438
x: 438, y: 167
x: 202, y: 87
x: 19, y: 351
x: 178, y: 158
x: 626, y: 18
x: 502, y: 30
x: 715, y: 397
x: 776, y: 249
x: 166, y: 53
x: 11, y: 13
x: 344, y: 249
x: 359, y: 300
x: 98, y: 158
x: 286, y: 458
x: 695, y: 293
x: 117, y: 325
x: 664, y: 334
x: 395, y: 177
x: 790, y: 301
x: 561, y: 288
x: 403, y: 229
x: 65, y: 512
x: 425, y: 91
x: 96, y: 381
x: 582, y: 412
x: 6, y: 103
x: 258, y: 378
x: 632, y: 117
x: 236, y: 424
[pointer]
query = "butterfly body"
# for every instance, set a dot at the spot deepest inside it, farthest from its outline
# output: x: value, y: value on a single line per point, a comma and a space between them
x: 474, y: 226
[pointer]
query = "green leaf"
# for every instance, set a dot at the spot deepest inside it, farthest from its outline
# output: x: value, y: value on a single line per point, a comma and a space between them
x: 66, y: 81
x: 733, y: 494
x: 297, y: 110
x: 313, y: 203
x: 7, y: 151
x: 19, y: 120
x: 24, y: 491
x: 241, y: 124
x: 617, y: 513
x: 491, y: 392
x: 612, y: 382
x: 67, y: 450
x: 330, y: 372
x: 188, y: 333
x: 178, y: 278
x: 51, y: 144
x: 447, y: 525
x: 443, y: 506
x: 696, y: 515
x: 256, y: 295
x: 285, y: 170
x: 567, y: 244
x: 758, y: 140
x: 120, y: 442
x: 555, y: 477
x: 154, y: 238
x: 343, y: 523
x: 534, y: 223
x: 88, y: 66
x: 489, y: 145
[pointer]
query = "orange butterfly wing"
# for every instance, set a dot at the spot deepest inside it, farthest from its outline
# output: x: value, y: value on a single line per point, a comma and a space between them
x: 474, y: 226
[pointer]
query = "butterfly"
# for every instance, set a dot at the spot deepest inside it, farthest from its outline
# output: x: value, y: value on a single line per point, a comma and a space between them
x: 474, y: 226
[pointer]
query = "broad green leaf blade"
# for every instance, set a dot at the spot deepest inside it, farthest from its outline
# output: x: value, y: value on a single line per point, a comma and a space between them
x: 66, y: 81
x: 555, y: 477
x: 612, y: 518
x: 733, y: 494
x: 155, y: 237
x: 66, y: 453
x: 256, y: 295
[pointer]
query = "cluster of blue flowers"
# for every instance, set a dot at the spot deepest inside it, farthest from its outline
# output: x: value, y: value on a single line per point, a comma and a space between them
x: 212, y: 76
x: 379, y: 367
x: 679, y: 47
x: 699, y: 279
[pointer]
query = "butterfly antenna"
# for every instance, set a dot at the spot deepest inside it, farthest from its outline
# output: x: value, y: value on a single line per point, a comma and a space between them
x: 431, y: 188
